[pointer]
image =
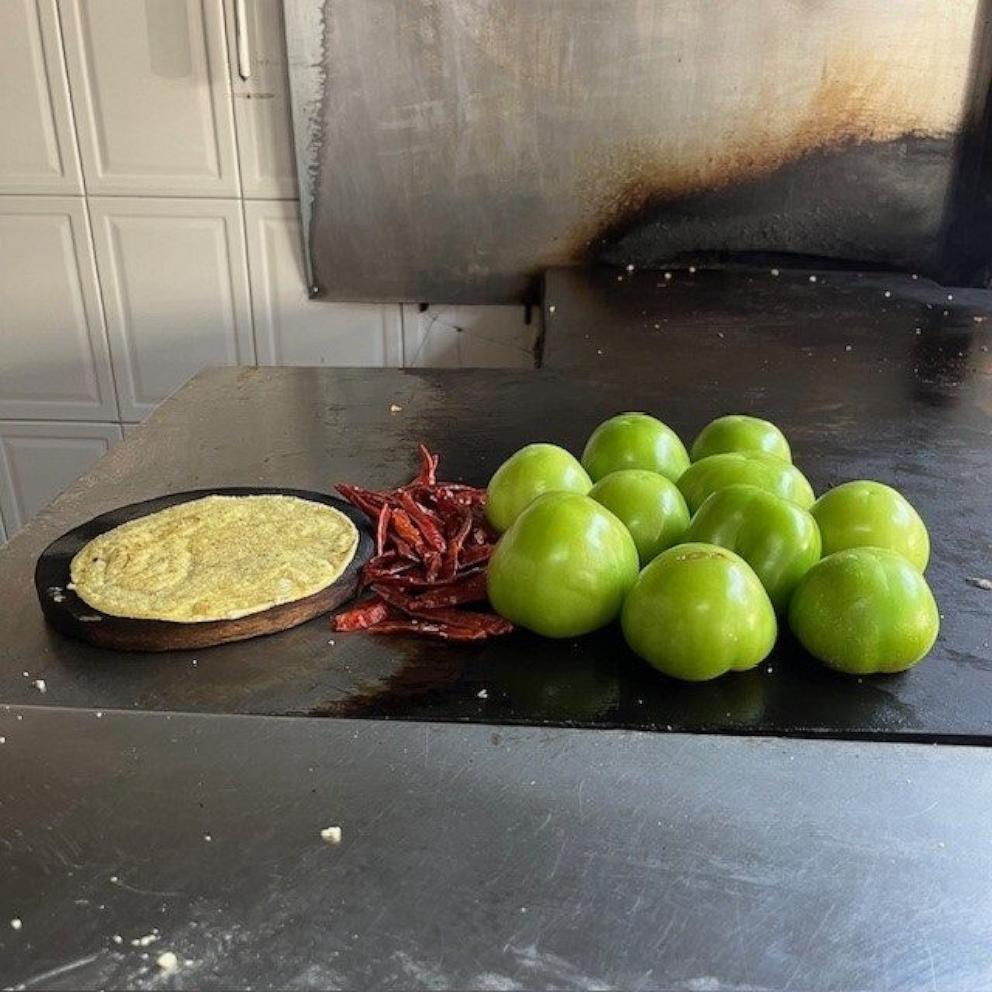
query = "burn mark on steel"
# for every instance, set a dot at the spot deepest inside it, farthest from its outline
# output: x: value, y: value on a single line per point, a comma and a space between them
x: 875, y: 203
x: 856, y: 177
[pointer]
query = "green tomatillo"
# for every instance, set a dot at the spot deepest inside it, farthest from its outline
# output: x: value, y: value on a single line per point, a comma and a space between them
x: 698, y: 611
x: 869, y: 514
x: 754, y: 469
x: 649, y: 506
x: 634, y: 440
x: 738, y: 432
x: 563, y: 568
x: 865, y: 611
x: 778, y: 539
x: 527, y: 474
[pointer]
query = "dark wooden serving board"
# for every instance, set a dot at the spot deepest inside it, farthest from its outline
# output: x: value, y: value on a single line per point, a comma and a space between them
x: 70, y: 615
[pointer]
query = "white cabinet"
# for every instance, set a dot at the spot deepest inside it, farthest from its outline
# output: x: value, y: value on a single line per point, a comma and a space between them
x: 468, y: 337
x: 292, y: 329
x: 260, y: 90
x: 39, y: 460
x: 175, y: 290
x: 54, y: 362
x: 37, y: 144
x: 150, y: 87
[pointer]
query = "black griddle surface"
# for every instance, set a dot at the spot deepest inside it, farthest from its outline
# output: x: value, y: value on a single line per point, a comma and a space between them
x: 865, y: 385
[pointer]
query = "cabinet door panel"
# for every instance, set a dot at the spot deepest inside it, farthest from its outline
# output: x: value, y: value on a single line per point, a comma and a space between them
x: 175, y: 289
x: 54, y: 362
x: 150, y: 85
x: 261, y: 101
x: 38, y: 148
x: 38, y: 461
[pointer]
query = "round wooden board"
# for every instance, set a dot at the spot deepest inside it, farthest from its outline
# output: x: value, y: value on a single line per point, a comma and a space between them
x: 65, y: 611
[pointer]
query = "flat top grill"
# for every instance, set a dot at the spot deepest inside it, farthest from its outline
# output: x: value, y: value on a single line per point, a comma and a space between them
x: 866, y: 385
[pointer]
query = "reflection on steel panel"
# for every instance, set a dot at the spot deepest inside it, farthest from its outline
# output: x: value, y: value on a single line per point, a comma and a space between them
x: 451, y: 150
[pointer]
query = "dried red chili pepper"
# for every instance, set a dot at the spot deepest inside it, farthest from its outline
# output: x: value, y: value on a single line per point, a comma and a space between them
x: 428, y: 628
x: 450, y: 563
x: 404, y: 550
x: 428, y: 466
x: 469, y: 589
x: 432, y: 545
x: 493, y: 625
x: 361, y: 617
x: 406, y: 531
x: 381, y: 529
x: 433, y: 570
x: 389, y: 563
x: 475, y: 554
x: 368, y: 502
x: 424, y: 522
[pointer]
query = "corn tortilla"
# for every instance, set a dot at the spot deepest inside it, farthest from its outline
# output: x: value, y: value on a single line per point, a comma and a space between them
x: 216, y: 558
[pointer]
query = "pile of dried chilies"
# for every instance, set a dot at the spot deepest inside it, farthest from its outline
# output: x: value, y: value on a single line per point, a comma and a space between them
x: 432, y: 548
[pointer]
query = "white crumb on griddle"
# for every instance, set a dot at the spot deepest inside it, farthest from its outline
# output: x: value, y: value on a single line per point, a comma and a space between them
x: 395, y: 408
x: 149, y: 938
x: 630, y: 267
x: 812, y: 278
x: 551, y: 309
x: 775, y: 272
x: 887, y: 293
x: 40, y: 685
x: 117, y: 938
x: 950, y: 296
x: 207, y: 838
x: 331, y: 835
x: 3, y: 740
x: 16, y: 923
x: 692, y: 270
x: 482, y: 694
x: 668, y: 275
x: 167, y: 962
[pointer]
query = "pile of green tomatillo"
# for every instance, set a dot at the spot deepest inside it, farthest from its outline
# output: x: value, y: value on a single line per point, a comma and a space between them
x: 698, y: 553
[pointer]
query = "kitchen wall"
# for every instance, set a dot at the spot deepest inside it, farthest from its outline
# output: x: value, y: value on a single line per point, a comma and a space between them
x: 149, y: 226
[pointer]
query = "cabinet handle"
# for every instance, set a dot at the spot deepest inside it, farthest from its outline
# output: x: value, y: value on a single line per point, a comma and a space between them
x: 241, y: 38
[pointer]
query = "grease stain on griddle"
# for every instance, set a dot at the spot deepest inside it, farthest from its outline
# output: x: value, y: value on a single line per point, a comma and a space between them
x: 425, y: 674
